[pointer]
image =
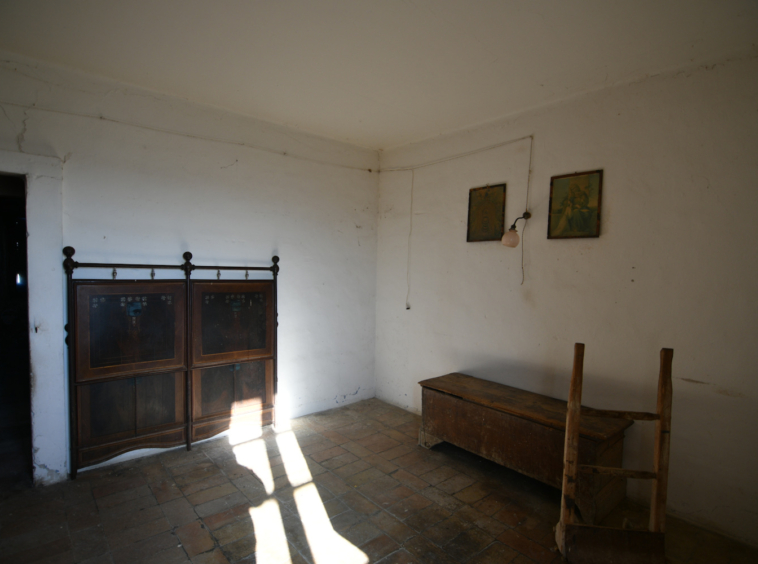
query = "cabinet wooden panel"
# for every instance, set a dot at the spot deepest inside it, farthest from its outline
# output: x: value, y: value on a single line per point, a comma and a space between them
x: 232, y: 389
x: 108, y: 410
x: 115, y: 410
x: 159, y: 400
x: 232, y: 321
x: 128, y: 327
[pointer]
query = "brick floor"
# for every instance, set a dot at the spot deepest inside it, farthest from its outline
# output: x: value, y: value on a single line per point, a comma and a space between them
x: 371, y: 492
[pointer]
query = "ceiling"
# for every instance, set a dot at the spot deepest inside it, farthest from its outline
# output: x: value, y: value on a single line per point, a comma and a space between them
x: 376, y: 73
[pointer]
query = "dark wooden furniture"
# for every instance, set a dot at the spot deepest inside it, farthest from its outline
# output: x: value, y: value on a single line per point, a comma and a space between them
x: 525, y: 432
x: 582, y: 543
x: 164, y: 363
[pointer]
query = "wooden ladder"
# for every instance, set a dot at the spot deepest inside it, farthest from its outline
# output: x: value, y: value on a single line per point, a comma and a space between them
x: 586, y: 544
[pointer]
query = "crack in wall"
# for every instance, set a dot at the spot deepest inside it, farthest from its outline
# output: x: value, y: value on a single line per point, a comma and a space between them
x: 21, y: 137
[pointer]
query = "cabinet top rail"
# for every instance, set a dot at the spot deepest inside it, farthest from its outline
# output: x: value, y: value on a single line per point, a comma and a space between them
x: 69, y: 265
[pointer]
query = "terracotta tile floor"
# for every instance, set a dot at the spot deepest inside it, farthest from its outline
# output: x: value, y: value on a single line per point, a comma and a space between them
x: 348, y: 485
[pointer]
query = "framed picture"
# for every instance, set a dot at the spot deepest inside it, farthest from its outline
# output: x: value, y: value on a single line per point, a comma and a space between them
x: 575, y: 205
x: 486, y: 213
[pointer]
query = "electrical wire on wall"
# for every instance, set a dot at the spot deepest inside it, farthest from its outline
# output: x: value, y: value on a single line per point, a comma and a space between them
x: 150, y: 127
x: 410, y: 232
x: 528, y: 184
x: 413, y: 168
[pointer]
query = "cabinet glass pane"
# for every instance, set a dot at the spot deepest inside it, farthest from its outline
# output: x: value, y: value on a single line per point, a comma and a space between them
x: 233, y: 321
x: 131, y: 328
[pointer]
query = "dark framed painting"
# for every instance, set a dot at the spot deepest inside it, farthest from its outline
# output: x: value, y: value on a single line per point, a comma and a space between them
x: 486, y: 213
x: 575, y: 205
x: 232, y: 321
x: 128, y: 327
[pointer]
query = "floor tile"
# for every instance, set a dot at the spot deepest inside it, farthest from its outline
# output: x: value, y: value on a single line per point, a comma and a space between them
x: 395, y: 528
x: 526, y: 546
x: 359, y: 503
x: 233, y: 531
x: 496, y: 553
x: 446, y: 530
x: 361, y: 533
x: 89, y: 543
x: 401, y: 556
x: 165, y: 490
x: 223, y: 518
x: 137, y: 533
x: 179, y: 512
x: 410, y: 505
x: 426, y: 552
x: 376, y: 549
x: 195, y: 538
x: 455, y: 484
x: 470, y: 542
x: 427, y: 517
x: 212, y: 557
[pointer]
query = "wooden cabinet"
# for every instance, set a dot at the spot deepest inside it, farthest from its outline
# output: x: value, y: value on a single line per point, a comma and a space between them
x: 165, y: 363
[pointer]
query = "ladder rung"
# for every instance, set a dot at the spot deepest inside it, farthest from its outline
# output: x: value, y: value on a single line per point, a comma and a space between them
x: 623, y: 472
x: 633, y: 415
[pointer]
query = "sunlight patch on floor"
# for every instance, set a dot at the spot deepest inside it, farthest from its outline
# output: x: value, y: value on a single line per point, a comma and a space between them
x: 271, y: 546
x: 326, y: 545
x: 294, y: 461
x: 253, y: 456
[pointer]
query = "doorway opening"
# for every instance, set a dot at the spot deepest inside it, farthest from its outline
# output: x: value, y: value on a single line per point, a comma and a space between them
x: 15, y: 383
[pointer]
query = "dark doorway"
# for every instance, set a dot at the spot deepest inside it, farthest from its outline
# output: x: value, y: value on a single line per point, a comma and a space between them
x: 15, y: 390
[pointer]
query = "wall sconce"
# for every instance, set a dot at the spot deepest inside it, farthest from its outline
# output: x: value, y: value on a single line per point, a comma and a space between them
x: 511, y: 238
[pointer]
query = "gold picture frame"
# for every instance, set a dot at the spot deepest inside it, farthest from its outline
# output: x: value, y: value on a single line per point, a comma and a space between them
x: 574, y: 210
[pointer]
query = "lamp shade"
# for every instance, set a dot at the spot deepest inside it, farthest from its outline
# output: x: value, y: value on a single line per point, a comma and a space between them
x: 511, y: 238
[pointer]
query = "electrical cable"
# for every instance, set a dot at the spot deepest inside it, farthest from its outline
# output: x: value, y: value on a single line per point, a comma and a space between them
x: 410, y: 232
x: 459, y: 156
x: 412, y: 169
x: 528, y: 184
x: 181, y: 134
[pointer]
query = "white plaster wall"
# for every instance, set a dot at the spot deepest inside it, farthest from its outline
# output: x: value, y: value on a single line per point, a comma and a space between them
x: 147, y: 177
x: 675, y: 266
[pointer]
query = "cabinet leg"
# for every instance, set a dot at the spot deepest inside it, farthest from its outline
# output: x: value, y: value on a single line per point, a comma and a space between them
x: 426, y: 440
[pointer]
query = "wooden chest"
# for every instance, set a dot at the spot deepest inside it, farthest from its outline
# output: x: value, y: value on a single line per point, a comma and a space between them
x: 523, y: 431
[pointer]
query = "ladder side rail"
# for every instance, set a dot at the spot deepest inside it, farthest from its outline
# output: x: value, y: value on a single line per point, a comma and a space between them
x: 662, y: 444
x: 571, y: 445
